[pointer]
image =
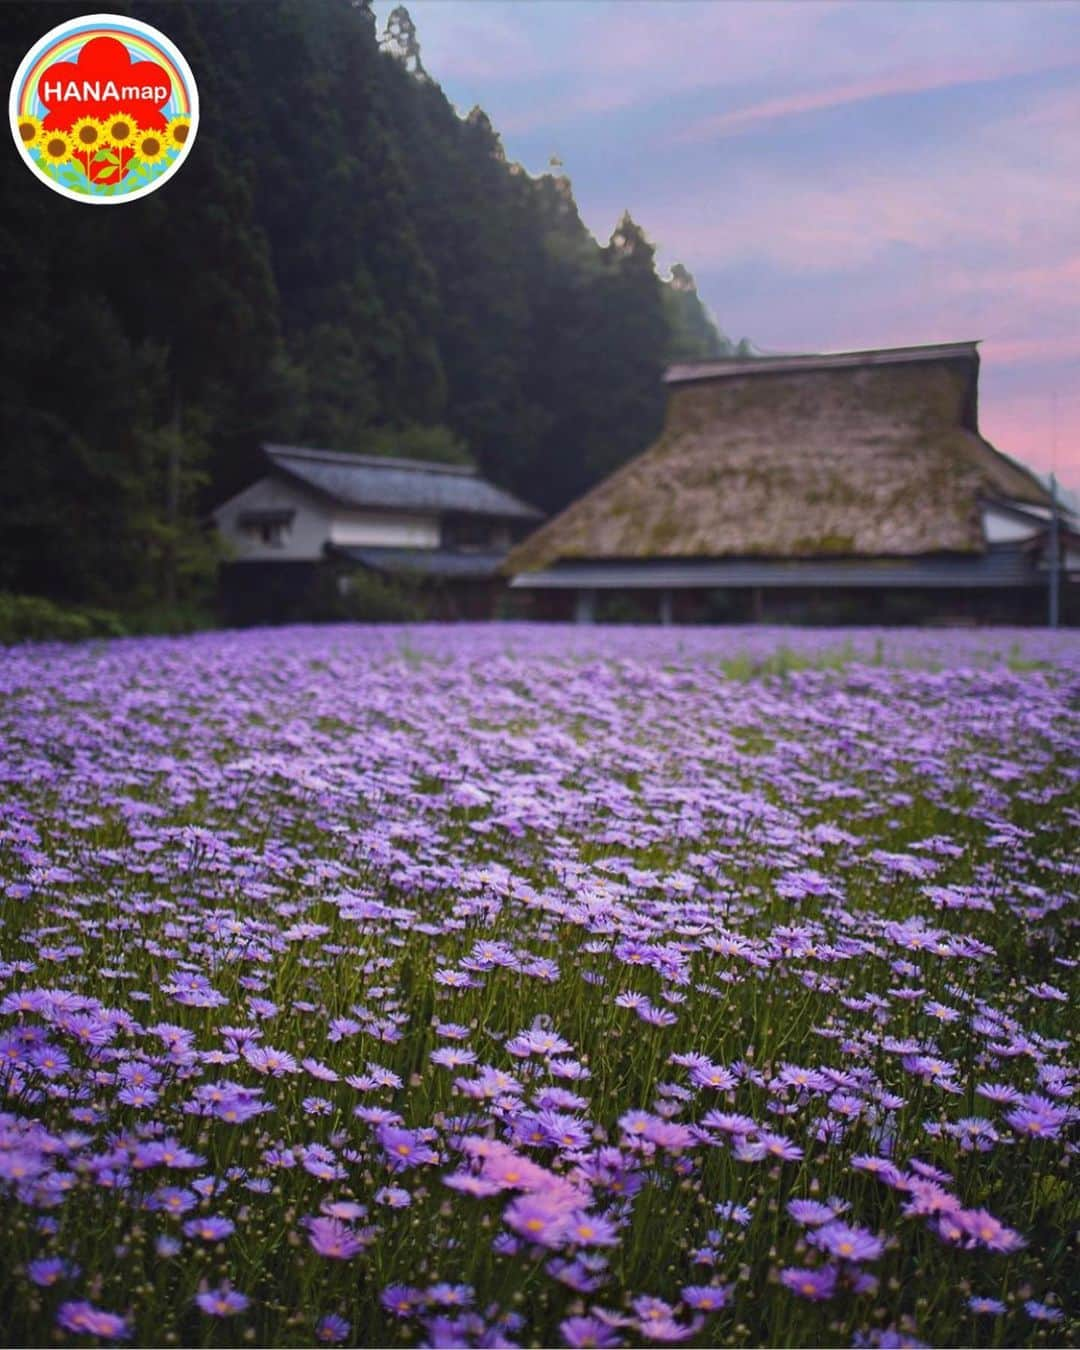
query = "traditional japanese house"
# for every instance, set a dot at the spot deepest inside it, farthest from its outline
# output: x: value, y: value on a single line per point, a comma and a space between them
x: 316, y: 517
x: 854, y: 485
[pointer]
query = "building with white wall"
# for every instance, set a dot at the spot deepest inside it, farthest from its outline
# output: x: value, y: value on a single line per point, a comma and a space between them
x: 314, y: 509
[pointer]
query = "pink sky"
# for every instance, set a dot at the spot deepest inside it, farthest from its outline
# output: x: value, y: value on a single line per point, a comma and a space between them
x: 836, y: 173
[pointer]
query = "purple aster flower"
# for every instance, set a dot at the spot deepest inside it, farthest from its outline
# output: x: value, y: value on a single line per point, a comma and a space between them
x: 577, y: 1274
x: 87, y: 1320
x: 929, y: 1171
x: 813, y: 1284
x: 319, y: 1070
x: 451, y: 1057
x: 729, y: 1212
x: 139, y: 1097
x: 656, y: 1321
x: 265, y: 1059
x: 563, y: 1131
x: 810, y: 1212
x: 776, y: 1146
x: 348, y: 1210
x: 729, y: 1122
x: 1043, y: 1312
x: 50, y: 1270
x: 470, y: 1184
x: 540, y: 1218
x: 588, y: 1331
x: 393, y: 1196
x: 1001, y: 1093
x: 669, y: 1134
x: 401, y: 1299
x: 982, y: 1227
x: 706, y: 1298
x: 591, y: 1230
x: 236, y: 1108
x: 450, y: 1295
x: 212, y: 1228
x: 404, y: 1149
x: 452, y: 1031
x: 712, y: 1076
x: 223, y: 1301
x: 172, y: 1200
x: 331, y: 1237
x: 881, y: 1168
x: 332, y: 1329
x: 851, y: 1244
x: 1039, y: 1123
x: 986, y: 1306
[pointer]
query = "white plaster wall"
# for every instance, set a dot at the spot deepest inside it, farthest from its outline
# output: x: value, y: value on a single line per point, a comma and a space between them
x: 302, y: 541
x: 1001, y: 528
x: 378, y: 529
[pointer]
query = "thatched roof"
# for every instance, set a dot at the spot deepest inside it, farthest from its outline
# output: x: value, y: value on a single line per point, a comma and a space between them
x: 857, y: 454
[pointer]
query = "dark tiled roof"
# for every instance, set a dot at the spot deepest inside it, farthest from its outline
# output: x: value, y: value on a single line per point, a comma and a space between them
x: 397, y: 484
x: 1004, y: 566
x: 428, y: 562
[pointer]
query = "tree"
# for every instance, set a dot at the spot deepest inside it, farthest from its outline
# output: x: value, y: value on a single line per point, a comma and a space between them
x: 692, y: 334
x: 343, y: 261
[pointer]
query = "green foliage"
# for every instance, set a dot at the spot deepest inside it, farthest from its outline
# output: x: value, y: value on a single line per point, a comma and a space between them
x: 622, y: 607
x: 30, y: 618
x: 368, y: 597
x: 371, y: 598
x: 343, y: 262
x: 437, y: 444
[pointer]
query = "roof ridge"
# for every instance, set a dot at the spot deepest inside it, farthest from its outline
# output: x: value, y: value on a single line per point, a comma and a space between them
x: 761, y: 365
x: 369, y: 461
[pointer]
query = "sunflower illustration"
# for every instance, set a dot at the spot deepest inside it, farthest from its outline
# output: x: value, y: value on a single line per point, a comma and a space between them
x: 29, y: 130
x: 87, y: 134
x: 177, y: 132
x: 55, y: 146
x: 151, y: 146
x: 120, y: 129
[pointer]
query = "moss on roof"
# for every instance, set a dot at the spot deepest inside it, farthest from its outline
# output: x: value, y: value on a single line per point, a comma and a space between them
x: 875, y: 460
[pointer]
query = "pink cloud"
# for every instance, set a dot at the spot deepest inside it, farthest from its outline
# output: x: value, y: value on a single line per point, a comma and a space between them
x: 992, y: 210
x: 1034, y: 347
x: 1024, y: 427
x: 969, y: 231
x: 888, y: 84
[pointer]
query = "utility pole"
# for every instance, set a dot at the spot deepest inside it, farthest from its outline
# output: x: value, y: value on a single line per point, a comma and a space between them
x: 1053, y: 594
x: 1053, y: 560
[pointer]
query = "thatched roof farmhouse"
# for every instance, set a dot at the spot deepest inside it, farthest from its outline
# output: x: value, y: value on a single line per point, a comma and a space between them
x: 786, y: 479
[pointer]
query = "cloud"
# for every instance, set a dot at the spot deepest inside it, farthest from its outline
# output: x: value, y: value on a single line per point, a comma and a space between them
x: 1027, y: 426
x: 859, y: 228
x: 887, y: 85
x: 544, y: 64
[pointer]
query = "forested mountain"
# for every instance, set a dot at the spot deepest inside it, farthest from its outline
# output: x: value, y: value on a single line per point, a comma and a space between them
x: 343, y: 261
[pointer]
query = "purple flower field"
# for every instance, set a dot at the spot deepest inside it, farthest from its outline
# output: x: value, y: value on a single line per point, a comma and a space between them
x: 510, y: 985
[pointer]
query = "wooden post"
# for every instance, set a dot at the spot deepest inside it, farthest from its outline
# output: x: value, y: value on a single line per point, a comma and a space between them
x: 1053, y: 558
x: 172, y: 500
x: 585, y: 607
x: 667, y: 608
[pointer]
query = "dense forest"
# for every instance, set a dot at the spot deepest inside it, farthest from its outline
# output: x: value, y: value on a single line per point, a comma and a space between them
x: 344, y: 261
